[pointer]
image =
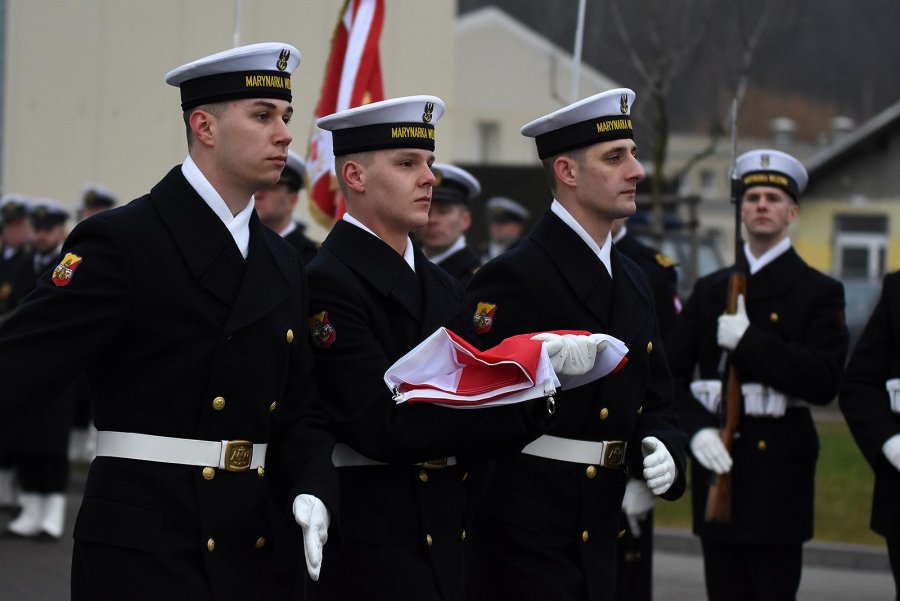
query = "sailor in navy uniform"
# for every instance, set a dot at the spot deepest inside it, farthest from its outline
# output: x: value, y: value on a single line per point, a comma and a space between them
x: 870, y: 401
x: 506, y: 225
x: 42, y: 460
x: 443, y: 237
x: 374, y: 297
x: 634, y: 574
x: 551, y: 514
x: 788, y: 342
x: 190, y: 319
x: 275, y: 207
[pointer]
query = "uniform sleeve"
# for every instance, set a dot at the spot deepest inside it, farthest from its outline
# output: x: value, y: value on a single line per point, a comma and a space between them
x: 68, y: 318
x: 809, y: 368
x: 864, y: 400
x: 350, y: 376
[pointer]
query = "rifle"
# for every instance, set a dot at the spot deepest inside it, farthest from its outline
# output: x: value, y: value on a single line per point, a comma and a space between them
x: 718, y: 500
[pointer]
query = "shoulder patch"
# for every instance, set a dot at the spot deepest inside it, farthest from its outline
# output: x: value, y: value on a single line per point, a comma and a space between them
x: 483, y: 320
x: 62, y: 273
x: 320, y: 329
x: 665, y: 261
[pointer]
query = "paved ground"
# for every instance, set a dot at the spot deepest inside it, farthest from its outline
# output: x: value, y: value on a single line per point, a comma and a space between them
x: 36, y: 571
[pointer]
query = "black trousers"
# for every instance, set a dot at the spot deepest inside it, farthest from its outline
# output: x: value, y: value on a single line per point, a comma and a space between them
x: 634, y: 563
x: 742, y: 572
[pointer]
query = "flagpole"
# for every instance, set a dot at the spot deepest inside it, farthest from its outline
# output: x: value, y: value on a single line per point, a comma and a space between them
x: 236, y: 37
x: 576, y: 56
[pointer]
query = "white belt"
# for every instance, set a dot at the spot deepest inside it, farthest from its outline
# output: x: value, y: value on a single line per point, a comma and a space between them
x: 231, y: 455
x: 605, y: 453
x: 346, y: 456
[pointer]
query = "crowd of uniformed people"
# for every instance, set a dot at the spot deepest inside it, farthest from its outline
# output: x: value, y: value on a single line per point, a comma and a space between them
x: 225, y: 374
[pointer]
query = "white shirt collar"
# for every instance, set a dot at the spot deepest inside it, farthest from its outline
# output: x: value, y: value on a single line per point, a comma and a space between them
x: 408, y: 254
x: 290, y: 228
x: 755, y: 264
x: 455, y: 247
x: 619, y: 235
x: 238, y: 225
x: 601, y: 252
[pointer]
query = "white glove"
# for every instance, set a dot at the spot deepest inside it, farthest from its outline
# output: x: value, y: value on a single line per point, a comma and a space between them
x: 312, y: 516
x: 636, y: 504
x: 891, y: 450
x: 733, y: 326
x: 710, y: 451
x: 659, y: 467
x: 570, y: 354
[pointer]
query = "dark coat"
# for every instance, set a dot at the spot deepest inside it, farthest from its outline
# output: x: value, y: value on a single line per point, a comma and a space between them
x: 165, y: 315
x: 796, y: 343
x: 304, y: 245
x: 660, y: 269
x: 403, y: 524
x: 865, y: 402
x: 462, y: 265
x: 552, y: 280
x: 16, y: 279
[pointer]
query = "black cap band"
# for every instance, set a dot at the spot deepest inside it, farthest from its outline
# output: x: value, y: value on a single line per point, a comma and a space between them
x: 584, y: 133
x: 291, y: 179
x: 450, y: 191
x: 776, y: 179
x: 383, y: 135
x: 231, y: 86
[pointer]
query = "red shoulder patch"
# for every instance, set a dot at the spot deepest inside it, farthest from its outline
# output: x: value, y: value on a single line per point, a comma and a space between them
x: 483, y: 320
x: 320, y: 329
x: 62, y: 273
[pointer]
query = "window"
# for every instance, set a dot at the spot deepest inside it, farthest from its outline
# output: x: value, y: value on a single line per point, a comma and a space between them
x: 860, y: 247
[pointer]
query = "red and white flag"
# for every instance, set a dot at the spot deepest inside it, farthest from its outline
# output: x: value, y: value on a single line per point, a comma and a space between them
x: 352, y: 78
x: 446, y: 370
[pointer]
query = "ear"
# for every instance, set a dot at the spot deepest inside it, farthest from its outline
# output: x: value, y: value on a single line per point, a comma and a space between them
x: 566, y: 170
x: 354, y: 175
x: 203, y: 127
x: 466, y: 219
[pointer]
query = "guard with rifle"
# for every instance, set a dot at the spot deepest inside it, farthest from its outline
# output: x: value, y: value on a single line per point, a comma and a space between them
x: 777, y: 347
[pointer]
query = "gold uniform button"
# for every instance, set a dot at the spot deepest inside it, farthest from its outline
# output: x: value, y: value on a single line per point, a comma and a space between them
x: 428, y: 539
x: 211, y: 545
x: 463, y: 535
x: 591, y: 471
x: 650, y: 347
x: 761, y: 445
x: 773, y: 317
x: 273, y: 407
x: 209, y: 473
x: 423, y: 475
x: 218, y: 403
x: 604, y: 413
x: 260, y: 542
x: 261, y: 471
x: 620, y: 534
x: 290, y: 335
x: 585, y: 536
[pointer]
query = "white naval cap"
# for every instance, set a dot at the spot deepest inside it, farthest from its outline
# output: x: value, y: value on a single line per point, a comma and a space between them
x: 453, y: 184
x: 253, y: 71
x: 602, y: 117
x: 294, y: 171
x: 97, y: 196
x: 501, y: 208
x: 767, y: 167
x: 14, y: 207
x: 406, y: 122
x: 46, y: 213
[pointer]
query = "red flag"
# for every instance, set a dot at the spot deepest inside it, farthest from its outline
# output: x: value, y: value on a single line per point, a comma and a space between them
x: 352, y: 78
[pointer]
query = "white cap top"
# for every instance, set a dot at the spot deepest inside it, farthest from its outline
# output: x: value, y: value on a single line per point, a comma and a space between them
x: 406, y: 122
x: 602, y: 117
x: 767, y: 167
x: 453, y: 184
x: 253, y: 71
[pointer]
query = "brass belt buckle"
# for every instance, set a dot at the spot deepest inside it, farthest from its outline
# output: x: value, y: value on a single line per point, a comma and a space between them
x: 435, y: 464
x: 238, y: 454
x: 613, y: 454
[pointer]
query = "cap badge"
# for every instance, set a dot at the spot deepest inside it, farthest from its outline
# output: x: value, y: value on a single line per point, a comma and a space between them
x: 429, y: 108
x: 438, y: 177
x: 763, y: 160
x: 623, y: 103
x: 283, y: 59
x: 322, y: 332
x: 483, y: 320
x: 63, y: 272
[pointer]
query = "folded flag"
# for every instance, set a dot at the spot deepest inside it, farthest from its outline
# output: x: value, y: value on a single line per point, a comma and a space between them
x: 446, y: 370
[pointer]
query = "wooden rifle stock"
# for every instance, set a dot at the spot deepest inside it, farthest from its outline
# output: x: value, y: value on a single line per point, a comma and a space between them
x: 718, y: 501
